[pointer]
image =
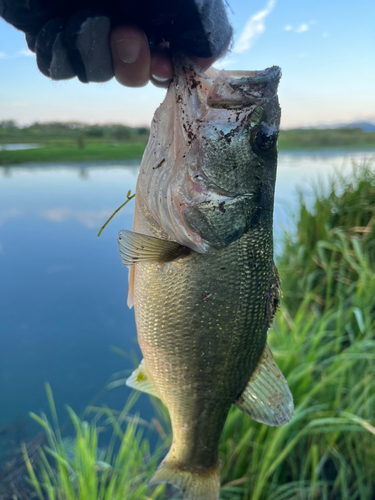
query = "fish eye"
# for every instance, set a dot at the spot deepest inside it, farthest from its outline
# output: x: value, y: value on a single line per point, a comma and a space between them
x: 264, y: 138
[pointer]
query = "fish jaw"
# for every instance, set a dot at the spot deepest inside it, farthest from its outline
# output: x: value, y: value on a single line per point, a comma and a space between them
x: 212, y: 141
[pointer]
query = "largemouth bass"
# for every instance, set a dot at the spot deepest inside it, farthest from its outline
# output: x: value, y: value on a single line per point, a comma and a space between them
x: 202, y: 276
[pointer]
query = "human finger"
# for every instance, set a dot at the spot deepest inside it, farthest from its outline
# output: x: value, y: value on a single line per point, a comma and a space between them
x: 131, y: 55
x: 161, y: 66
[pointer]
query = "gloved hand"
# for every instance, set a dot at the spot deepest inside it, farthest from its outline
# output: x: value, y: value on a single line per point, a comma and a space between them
x: 79, y: 38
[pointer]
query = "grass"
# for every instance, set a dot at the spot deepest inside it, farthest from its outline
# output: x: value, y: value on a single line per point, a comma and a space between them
x: 328, y: 356
x: 323, y: 340
x: 63, y: 151
x: 326, y: 138
x: 79, y: 470
x: 319, y: 257
x: 74, y: 131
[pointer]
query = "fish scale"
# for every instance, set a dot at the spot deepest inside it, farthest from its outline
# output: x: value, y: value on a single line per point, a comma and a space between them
x: 203, y: 280
x: 201, y: 353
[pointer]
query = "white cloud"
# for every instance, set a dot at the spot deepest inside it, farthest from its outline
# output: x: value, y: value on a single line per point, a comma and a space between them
x: 254, y: 28
x: 21, y: 53
x: 26, y: 52
x: 227, y: 61
x: 302, y: 28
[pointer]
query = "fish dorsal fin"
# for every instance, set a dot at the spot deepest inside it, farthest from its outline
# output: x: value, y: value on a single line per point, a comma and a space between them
x: 136, y: 248
x: 267, y: 397
x: 141, y: 381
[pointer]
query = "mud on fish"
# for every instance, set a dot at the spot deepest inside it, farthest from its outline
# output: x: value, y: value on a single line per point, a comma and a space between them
x: 202, y: 277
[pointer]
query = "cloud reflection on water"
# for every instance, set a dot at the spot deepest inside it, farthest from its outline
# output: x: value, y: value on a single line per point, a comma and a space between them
x: 89, y: 218
x: 7, y: 214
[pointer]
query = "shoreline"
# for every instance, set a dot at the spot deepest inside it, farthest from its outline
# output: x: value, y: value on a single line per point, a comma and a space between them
x: 104, y: 152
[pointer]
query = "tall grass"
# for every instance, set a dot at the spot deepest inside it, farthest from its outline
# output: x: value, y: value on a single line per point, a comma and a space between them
x: 323, y: 340
x: 328, y: 449
x: 318, y: 258
x: 80, y: 470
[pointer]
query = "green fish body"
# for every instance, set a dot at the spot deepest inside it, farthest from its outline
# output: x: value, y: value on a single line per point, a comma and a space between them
x: 202, y: 279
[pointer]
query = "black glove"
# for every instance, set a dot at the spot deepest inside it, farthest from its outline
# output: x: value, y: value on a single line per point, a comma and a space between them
x: 71, y: 38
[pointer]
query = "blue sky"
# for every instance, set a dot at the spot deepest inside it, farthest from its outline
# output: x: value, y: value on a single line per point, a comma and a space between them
x: 326, y: 50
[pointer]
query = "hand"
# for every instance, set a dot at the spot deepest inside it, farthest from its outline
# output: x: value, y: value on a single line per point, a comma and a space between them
x: 73, y: 40
x: 135, y: 65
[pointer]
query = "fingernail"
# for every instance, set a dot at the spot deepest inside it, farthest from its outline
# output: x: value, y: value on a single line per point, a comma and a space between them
x: 128, y: 50
x: 159, y: 79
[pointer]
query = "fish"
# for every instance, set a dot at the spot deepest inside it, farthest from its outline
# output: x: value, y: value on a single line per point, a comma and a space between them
x: 202, y: 277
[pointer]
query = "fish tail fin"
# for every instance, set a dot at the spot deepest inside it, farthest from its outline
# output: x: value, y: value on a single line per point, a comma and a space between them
x: 196, y: 483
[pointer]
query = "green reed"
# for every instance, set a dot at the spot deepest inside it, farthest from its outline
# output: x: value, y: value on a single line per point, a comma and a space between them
x: 84, y: 471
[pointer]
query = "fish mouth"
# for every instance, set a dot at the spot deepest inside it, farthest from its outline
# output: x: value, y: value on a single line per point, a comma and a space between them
x: 238, y: 89
x: 252, y: 77
x: 230, y: 89
x: 174, y: 182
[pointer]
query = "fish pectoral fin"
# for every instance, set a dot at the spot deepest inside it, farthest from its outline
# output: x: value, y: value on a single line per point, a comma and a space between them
x: 141, y: 381
x: 267, y: 397
x: 136, y: 248
x: 195, y: 483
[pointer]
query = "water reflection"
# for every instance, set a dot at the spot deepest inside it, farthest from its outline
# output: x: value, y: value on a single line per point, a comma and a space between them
x: 89, y: 218
x: 18, y: 147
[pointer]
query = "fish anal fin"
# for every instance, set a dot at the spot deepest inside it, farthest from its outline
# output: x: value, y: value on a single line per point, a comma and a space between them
x: 136, y: 248
x: 195, y: 483
x: 267, y: 397
x: 140, y: 380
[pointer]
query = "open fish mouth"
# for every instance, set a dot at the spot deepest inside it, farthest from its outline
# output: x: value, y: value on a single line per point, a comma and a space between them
x: 236, y: 89
x: 212, y: 147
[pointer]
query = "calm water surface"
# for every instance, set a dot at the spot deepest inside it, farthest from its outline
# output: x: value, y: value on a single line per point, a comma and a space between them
x: 18, y: 147
x: 63, y: 290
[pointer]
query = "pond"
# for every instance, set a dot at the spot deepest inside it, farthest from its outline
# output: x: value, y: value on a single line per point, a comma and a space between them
x: 63, y: 290
x: 19, y: 147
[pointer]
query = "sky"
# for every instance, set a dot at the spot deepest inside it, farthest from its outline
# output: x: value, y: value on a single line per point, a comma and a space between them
x: 326, y: 49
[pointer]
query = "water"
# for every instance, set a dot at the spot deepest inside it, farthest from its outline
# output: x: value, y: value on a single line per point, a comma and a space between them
x: 63, y: 290
x: 18, y: 147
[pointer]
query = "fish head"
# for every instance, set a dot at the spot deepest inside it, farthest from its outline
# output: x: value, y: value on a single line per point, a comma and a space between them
x: 219, y: 134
